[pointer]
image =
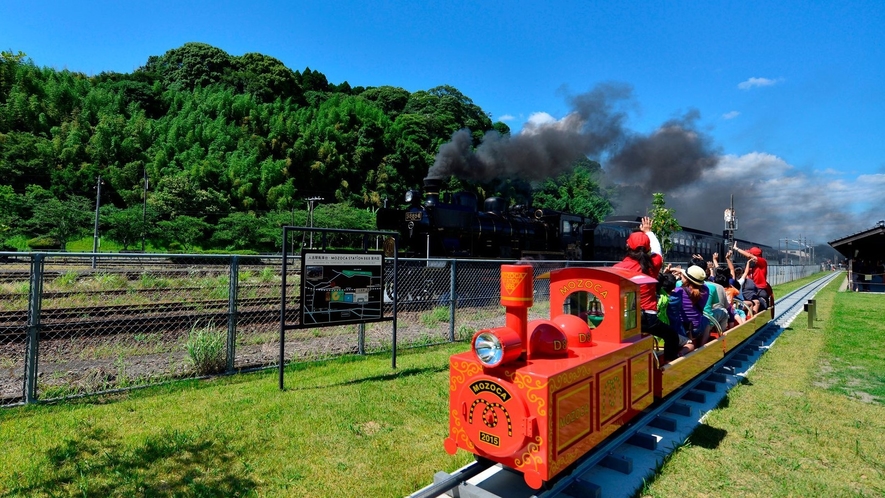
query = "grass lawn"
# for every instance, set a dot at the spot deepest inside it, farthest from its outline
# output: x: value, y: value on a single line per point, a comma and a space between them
x: 809, y: 421
x: 347, y: 427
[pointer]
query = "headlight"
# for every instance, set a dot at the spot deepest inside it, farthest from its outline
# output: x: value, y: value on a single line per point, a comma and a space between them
x: 409, y: 195
x: 494, y: 347
x: 488, y: 348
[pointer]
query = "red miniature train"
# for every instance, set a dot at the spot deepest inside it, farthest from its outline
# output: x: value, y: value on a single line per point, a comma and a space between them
x: 538, y: 395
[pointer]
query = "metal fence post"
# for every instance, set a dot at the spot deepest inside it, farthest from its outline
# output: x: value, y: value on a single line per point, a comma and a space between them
x: 453, y: 300
x: 361, y: 339
x: 809, y: 310
x: 232, y: 311
x: 35, y: 303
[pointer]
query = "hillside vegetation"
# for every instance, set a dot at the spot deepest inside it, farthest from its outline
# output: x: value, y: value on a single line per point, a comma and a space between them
x: 202, y: 148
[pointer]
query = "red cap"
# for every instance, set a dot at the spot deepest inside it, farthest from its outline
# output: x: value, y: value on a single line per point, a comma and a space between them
x: 637, y: 240
x: 755, y: 251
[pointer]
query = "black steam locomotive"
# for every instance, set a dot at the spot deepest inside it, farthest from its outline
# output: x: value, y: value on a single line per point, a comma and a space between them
x: 452, y: 225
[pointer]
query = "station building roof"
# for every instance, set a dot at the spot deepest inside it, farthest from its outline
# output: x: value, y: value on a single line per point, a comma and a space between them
x: 868, y: 244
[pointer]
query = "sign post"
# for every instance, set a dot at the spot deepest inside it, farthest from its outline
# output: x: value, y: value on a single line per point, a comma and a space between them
x: 337, y: 287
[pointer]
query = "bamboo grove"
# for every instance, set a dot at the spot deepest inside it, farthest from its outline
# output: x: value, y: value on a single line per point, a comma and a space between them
x: 201, y: 149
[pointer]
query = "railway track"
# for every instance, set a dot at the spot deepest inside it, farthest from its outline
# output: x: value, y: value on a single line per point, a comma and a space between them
x: 124, y: 319
x: 618, y: 466
x: 85, y: 295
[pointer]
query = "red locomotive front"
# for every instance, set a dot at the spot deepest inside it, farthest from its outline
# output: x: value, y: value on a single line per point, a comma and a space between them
x: 536, y: 396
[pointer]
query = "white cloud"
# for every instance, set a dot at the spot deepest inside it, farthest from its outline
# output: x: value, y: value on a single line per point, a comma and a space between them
x: 506, y: 117
x: 731, y: 115
x: 756, y: 82
x: 773, y: 198
x: 833, y: 172
x: 753, y: 165
x: 540, y: 119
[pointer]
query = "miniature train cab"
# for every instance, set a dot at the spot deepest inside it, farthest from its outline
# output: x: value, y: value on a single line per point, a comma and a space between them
x: 537, y: 395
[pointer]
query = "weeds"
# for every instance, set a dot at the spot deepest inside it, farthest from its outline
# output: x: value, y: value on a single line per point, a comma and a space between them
x: 439, y: 314
x: 206, y: 349
x: 67, y: 279
x: 149, y: 281
x: 109, y: 280
x: 464, y: 333
x: 267, y: 275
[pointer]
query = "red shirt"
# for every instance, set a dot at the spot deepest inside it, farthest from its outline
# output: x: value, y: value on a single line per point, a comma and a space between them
x: 760, y: 273
x: 648, y: 293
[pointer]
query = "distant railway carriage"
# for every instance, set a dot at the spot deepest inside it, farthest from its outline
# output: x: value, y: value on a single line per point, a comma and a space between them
x: 453, y: 225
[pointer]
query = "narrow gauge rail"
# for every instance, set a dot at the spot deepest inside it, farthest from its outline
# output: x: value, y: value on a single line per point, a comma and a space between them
x: 154, y: 271
x: 618, y: 466
x: 122, y: 319
x: 155, y: 266
x: 85, y: 294
x: 126, y: 318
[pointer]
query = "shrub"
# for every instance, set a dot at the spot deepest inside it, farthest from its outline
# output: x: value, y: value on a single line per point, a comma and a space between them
x: 206, y: 348
x: 16, y: 243
x: 38, y: 243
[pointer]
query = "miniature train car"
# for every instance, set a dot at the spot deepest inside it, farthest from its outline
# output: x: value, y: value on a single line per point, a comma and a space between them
x: 538, y: 395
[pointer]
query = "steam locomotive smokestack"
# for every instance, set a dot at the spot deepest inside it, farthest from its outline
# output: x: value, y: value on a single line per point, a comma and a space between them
x: 431, y: 191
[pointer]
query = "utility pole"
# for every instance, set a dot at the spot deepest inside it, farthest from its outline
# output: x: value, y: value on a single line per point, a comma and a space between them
x: 293, y: 224
x: 95, y: 233
x: 144, y: 210
x: 801, y: 249
x: 310, y: 204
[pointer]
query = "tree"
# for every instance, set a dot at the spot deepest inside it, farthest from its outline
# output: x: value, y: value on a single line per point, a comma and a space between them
x: 193, y: 65
x: 25, y: 159
x: 664, y: 223
x: 312, y: 80
x: 10, y: 211
x: 577, y: 192
x: 128, y: 226
x: 265, y: 77
x: 178, y: 195
x: 61, y: 220
x: 501, y: 128
x: 344, y: 216
x: 184, y: 231
x: 239, y: 231
x: 9, y: 63
x: 392, y: 100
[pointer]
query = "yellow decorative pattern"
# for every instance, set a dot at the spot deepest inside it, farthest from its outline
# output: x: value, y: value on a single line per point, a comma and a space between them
x: 530, y: 456
x: 460, y: 372
x: 511, y: 280
x: 529, y: 385
x: 570, y: 377
x: 457, y: 432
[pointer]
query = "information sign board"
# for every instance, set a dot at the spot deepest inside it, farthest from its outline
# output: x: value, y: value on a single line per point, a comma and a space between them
x: 341, y: 287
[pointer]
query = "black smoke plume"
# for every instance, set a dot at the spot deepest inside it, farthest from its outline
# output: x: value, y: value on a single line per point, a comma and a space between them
x: 540, y: 151
x: 673, y: 157
x: 772, y: 199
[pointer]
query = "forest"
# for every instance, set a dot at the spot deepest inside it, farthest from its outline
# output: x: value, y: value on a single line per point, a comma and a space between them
x: 199, y: 150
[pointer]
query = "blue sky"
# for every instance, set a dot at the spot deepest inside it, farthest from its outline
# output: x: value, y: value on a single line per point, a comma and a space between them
x: 789, y: 94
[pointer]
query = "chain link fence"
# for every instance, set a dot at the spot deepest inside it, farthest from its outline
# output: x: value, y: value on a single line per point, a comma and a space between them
x: 74, y: 324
